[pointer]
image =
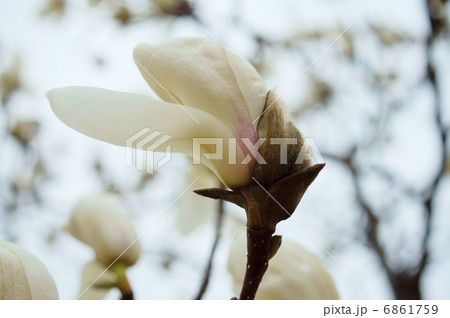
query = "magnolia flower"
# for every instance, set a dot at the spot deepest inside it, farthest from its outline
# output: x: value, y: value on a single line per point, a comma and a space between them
x: 23, y: 276
x: 101, y: 222
x: 207, y: 91
x: 293, y: 273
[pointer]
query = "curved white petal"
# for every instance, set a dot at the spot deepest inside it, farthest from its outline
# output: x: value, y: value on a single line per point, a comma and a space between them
x: 96, y: 281
x: 195, y: 210
x: 101, y: 222
x: 293, y: 273
x: 23, y: 276
x: 116, y: 117
x: 202, y: 73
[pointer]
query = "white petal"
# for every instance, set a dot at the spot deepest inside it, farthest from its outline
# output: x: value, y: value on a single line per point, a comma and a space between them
x: 202, y: 73
x: 23, y: 276
x: 195, y: 210
x: 101, y: 222
x: 115, y: 117
x: 293, y: 273
x: 96, y: 281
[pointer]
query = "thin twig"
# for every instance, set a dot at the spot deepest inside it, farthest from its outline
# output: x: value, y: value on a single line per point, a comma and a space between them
x: 406, y: 283
x: 438, y: 25
x: 208, y: 269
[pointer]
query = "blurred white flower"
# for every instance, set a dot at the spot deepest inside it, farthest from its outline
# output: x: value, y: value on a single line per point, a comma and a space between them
x: 293, y: 273
x: 96, y: 281
x: 223, y: 96
x: 195, y: 210
x: 101, y: 222
x: 23, y: 276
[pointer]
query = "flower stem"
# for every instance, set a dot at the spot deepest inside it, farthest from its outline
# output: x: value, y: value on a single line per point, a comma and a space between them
x: 123, y: 284
x: 125, y: 289
x: 261, y: 246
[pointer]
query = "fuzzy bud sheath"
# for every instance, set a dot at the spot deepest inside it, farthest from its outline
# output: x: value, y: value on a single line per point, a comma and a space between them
x: 273, y: 124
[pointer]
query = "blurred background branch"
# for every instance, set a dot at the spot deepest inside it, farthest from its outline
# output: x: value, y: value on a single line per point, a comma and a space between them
x: 376, y: 104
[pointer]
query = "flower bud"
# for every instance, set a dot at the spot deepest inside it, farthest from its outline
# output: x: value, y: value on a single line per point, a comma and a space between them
x: 293, y: 273
x: 23, y: 276
x: 101, y: 222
